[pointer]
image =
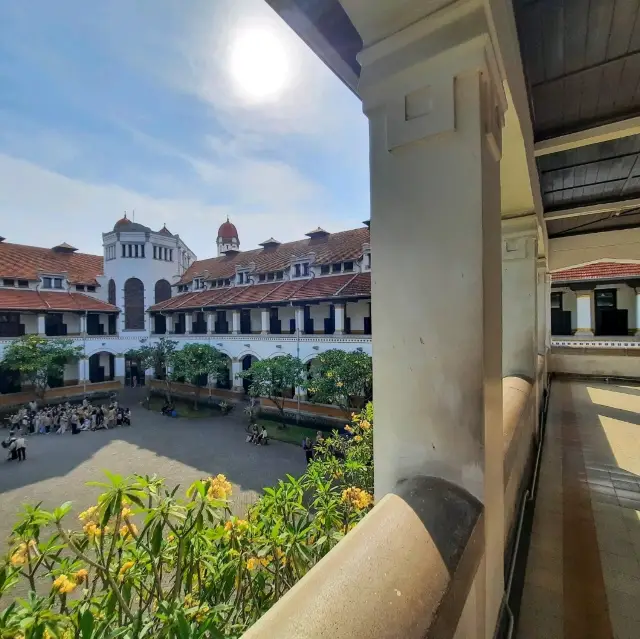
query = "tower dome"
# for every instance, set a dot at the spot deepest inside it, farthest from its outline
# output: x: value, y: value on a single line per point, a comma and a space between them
x: 227, y: 239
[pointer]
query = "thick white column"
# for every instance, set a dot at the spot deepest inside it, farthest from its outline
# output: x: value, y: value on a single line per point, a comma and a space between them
x: 119, y: 372
x: 638, y: 311
x: 519, y: 296
x: 83, y: 370
x: 211, y: 323
x: 188, y: 323
x: 435, y: 106
x: 83, y: 324
x: 235, y: 322
x: 41, y: 324
x: 542, y: 304
x: 264, y: 317
x: 236, y: 369
x: 339, y: 319
x: 300, y: 320
x: 548, y: 311
x: 584, y: 319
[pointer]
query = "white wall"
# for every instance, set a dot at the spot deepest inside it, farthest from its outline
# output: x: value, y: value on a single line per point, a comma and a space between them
x: 72, y: 321
x: 626, y: 298
x: 256, y: 320
x: 578, y: 249
x: 319, y: 312
x: 357, y: 311
x: 30, y: 322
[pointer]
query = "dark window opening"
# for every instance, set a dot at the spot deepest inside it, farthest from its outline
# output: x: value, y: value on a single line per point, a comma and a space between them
x: 57, y: 282
x: 325, y: 269
x: 79, y: 287
x: 162, y: 291
x: 134, y: 304
x: 308, y: 321
x: 296, y: 270
x: 275, y: 324
x: 245, y: 321
x: 556, y: 301
x: 10, y: 325
x: 221, y: 324
x: 93, y: 325
x: 54, y: 326
x: 335, y: 268
x: 262, y: 277
x: 46, y: 282
x: 91, y: 289
x: 330, y: 322
x: 179, y: 324
x: 305, y: 268
x: 160, y: 325
x: 271, y: 277
x: 279, y: 275
x: 199, y: 326
x: 111, y: 292
x: 348, y: 266
x: 9, y: 282
x: 112, y: 325
x: 23, y: 283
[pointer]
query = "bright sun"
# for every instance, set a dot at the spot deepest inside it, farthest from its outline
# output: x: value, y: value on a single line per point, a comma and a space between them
x: 258, y: 64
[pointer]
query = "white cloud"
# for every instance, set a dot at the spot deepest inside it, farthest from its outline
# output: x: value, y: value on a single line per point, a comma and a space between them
x: 78, y: 212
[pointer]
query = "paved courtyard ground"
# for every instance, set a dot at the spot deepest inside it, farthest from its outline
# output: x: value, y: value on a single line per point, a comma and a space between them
x: 181, y: 450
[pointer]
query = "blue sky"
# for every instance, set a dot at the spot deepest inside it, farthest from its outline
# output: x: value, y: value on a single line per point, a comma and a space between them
x: 120, y: 105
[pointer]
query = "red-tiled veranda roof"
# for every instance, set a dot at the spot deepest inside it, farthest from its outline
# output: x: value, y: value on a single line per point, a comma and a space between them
x: 600, y: 270
x: 31, y: 300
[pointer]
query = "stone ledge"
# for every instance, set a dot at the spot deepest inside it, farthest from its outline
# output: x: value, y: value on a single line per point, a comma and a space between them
x: 404, y: 572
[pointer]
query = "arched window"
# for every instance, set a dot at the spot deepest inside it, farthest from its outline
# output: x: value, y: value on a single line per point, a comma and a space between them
x: 162, y: 291
x: 134, y: 304
x: 111, y: 292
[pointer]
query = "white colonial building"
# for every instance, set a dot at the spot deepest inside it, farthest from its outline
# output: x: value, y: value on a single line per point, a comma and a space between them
x: 300, y: 298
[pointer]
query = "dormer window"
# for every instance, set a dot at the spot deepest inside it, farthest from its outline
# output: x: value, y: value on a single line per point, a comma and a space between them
x: 279, y: 275
x: 325, y: 269
x: 243, y: 277
x: 347, y: 267
x: 336, y: 268
x: 198, y: 283
x: 262, y: 277
x: 301, y: 270
x: 271, y: 277
x: 52, y: 282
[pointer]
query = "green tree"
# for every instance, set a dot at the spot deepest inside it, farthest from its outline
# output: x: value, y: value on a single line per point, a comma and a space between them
x: 341, y: 378
x: 38, y: 358
x: 158, y: 356
x: 274, y: 377
x: 194, y: 361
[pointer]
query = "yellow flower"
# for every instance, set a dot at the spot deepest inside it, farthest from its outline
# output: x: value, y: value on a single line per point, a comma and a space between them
x: 365, y: 425
x: 125, y: 512
x: 357, y: 438
x: 81, y: 575
x: 228, y: 526
x: 88, y: 514
x: 190, y: 600
x: 357, y: 498
x: 200, y: 614
x: 128, y: 530
x: 239, y: 525
x: 219, y: 487
x: 22, y: 552
x: 252, y: 563
x: 339, y: 384
x: 329, y: 374
x: 18, y: 558
x: 265, y: 561
x: 126, y: 566
x: 348, y: 428
x: 64, y: 585
x: 337, y: 474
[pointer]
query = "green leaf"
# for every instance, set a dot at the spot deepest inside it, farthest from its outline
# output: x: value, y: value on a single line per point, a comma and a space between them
x: 86, y: 624
x: 156, y: 539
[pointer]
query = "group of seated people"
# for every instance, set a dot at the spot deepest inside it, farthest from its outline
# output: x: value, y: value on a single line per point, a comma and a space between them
x: 257, y: 436
x: 69, y: 417
x: 168, y: 409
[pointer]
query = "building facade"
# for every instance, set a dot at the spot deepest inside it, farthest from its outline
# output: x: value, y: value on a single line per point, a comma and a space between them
x: 300, y: 298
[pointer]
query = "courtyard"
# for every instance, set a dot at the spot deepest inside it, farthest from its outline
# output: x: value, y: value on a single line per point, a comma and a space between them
x: 180, y: 450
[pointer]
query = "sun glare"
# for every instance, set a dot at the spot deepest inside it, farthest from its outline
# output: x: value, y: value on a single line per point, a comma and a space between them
x: 258, y: 64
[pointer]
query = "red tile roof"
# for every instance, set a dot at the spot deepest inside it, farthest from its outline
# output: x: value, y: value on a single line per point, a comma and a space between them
x: 602, y: 270
x: 336, y: 247
x: 31, y: 300
x: 317, y: 288
x: 26, y: 262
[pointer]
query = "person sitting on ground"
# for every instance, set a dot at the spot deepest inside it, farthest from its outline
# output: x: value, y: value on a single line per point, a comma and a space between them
x: 118, y: 417
x: 262, y: 437
x: 126, y: 417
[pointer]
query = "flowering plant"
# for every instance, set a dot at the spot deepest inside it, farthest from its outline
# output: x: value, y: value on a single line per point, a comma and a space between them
x: 146, y: 562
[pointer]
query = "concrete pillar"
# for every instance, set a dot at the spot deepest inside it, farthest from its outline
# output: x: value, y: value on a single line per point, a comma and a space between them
x: 83, y: 324
x: 41, y: 324
x: 436, y: 111
x: 542, y: 304
x: 548, y: 311
x: 188, y: 323
x: 299, y: 315
x: 519, y: 296
x: 119, y: 373
x: 152, y: 323
x: 637, y: 311
x: 584, y: 319
x: 235, y: 322
x: 211, y: 323
x: 264, y: 317
x: 339, y: 319
x: 236, y: 369
x: 83, y: 370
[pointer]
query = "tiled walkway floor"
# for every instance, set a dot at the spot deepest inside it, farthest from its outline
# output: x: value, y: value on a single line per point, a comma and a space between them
x: 583, y: 570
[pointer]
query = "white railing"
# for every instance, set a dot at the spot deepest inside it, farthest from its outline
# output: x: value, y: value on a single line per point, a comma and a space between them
x: 596, y: 342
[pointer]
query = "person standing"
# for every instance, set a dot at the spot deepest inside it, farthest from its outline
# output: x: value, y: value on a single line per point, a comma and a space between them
x: 21, y: 448
x: 307, y: 446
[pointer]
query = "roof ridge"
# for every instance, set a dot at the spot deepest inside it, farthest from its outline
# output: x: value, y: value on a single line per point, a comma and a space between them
x: 346, y: 284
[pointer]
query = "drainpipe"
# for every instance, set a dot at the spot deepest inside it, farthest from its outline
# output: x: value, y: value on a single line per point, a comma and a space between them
x: 84, y: 352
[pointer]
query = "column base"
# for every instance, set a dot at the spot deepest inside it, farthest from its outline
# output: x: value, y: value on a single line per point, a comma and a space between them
x: 583, y: 332
x: 264, y: 332
x: 338, y: 332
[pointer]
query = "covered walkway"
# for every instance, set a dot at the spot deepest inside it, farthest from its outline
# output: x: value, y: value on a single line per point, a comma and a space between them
x: 583, y: 570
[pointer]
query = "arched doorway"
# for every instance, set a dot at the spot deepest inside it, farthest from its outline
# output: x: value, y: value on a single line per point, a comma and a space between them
x: 101, y: 367
x: 133, y: 372
x: 224, y: 378
x: 246, y: 362
x: 162, y: 291
x: 134, y: 304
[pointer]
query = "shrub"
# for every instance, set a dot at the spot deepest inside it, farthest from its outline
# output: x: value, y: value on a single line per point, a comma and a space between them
x: 145, y: 562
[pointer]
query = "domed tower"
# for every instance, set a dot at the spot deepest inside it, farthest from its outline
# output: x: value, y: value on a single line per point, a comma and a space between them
x: 227, y: 239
